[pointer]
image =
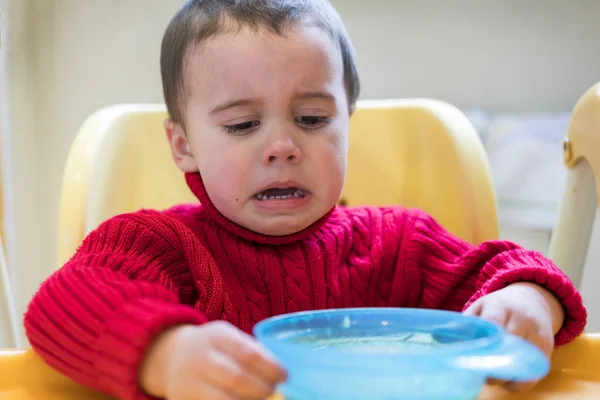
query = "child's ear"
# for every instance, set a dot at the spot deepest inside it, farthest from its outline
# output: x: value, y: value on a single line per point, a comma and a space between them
x: 180, y: 147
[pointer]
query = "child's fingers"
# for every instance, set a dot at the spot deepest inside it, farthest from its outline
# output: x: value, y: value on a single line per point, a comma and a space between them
x: 253, y: 356
x: 474, y: 309
x: 495, y: 313
x: 529, y: 330
x: 517, y: 326
x: 250, y: 354
x: 522, y: 327
x: 227, y: 374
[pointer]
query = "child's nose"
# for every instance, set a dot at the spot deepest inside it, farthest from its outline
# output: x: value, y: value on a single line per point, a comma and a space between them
x: 282, y: 150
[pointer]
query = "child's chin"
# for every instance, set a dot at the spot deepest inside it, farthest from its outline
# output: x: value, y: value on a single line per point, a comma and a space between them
x: 282, y: 226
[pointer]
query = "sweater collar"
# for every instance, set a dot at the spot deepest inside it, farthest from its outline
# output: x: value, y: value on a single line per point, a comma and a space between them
x: 196, y: 185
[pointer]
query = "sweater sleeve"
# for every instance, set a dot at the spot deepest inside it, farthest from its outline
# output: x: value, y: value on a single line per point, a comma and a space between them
x: 94, y: 318
x: 451, y: 274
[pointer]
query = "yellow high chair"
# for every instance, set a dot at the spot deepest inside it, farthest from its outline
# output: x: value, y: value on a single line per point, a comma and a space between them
x: 418, y: 153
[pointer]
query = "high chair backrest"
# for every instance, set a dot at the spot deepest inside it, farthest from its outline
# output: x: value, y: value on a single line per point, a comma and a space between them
x: 119, y: 162
x: 417, y: 153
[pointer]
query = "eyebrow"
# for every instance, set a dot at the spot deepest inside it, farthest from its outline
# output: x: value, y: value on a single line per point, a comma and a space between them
x: 316, y: 95
x: 248, y: 101
x: 231, y: 104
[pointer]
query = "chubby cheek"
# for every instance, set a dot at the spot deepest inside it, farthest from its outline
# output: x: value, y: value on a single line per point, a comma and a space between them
x: 225, y: 174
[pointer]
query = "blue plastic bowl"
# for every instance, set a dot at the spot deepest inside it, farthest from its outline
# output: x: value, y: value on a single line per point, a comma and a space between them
x: 394, y: 354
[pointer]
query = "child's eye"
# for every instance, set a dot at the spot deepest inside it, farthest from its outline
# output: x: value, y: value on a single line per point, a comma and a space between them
x: 241, y: 129
x: 312, y: 122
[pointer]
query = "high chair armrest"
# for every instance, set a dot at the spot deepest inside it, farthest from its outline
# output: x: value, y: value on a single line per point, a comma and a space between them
x: 25, y: 376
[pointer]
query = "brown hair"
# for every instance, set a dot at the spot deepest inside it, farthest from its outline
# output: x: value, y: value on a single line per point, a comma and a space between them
x: 199, y: 20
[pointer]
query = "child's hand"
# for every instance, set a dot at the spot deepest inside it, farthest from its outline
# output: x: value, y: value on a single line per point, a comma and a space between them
x: 212, y: 361
x: 525, y: 310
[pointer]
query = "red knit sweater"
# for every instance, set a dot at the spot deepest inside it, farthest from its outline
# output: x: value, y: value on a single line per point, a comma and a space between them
x: 140, y: 273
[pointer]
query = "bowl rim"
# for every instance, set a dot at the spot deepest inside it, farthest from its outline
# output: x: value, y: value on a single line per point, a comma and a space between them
x: 413, y: 357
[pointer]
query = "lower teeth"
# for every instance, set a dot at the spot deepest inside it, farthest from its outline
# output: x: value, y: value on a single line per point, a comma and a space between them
x: 298, y: 194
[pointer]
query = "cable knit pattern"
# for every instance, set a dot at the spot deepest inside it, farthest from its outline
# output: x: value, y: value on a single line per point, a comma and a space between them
x: 140, y: 273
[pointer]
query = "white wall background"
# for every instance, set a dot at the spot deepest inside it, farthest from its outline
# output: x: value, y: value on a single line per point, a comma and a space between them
x: 71, y: 57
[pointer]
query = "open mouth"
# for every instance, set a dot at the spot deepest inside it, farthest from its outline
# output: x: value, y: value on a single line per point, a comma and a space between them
x: 281, y: 194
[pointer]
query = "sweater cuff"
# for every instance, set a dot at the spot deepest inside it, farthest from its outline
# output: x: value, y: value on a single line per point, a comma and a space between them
x: 526, y: 266
x: 126, y: 338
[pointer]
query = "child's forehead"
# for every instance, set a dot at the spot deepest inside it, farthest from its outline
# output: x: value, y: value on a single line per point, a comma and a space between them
x: 247, y: 60
x: 296, y: 37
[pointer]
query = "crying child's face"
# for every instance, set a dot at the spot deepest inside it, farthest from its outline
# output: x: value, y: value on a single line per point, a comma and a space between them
x: 266, y: 118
